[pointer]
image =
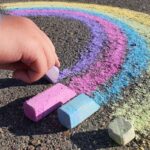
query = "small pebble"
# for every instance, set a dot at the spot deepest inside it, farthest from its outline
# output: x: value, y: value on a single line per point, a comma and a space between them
x: 141, y: 148
x: 121, y: 131
x: 66, y: 134
x: 1, y: 131
x: 35, y: 142
x: 30, y: 147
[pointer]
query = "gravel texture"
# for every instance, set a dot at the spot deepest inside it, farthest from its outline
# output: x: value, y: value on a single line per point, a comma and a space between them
x: 17, y: 132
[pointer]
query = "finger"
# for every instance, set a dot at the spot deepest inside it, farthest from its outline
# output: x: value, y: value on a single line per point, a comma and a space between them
x: 50, y: 53
x: 37, y: 68
x: 24, y: 75
x: 57, y: 62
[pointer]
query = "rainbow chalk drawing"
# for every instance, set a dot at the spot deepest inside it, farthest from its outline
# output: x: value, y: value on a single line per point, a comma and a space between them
x: 121, y: 35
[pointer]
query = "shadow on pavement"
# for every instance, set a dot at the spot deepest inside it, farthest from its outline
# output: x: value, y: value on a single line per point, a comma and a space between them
x: 10, y: 82
x: 93, y: 140
x: 12, y: 117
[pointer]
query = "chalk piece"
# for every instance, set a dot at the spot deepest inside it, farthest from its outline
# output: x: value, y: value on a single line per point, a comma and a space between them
x: 42, y: 104
x: 53, y: 74
x: 121, y: 131
x: 77, y: 110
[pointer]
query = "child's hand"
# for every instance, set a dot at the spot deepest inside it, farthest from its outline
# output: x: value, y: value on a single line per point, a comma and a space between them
x: 25, y: 49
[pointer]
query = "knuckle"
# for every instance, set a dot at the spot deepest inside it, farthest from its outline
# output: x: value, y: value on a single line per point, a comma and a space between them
x: 26, y: 20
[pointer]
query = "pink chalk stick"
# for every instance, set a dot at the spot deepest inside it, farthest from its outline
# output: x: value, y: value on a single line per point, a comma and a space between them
x: 42, y: 104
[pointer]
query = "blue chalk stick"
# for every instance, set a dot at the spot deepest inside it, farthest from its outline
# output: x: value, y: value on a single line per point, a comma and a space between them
x: 77, y: 110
